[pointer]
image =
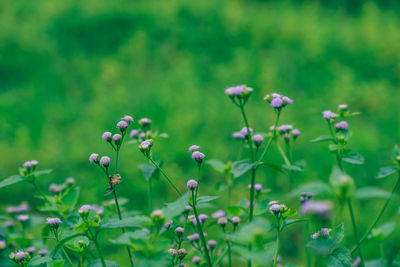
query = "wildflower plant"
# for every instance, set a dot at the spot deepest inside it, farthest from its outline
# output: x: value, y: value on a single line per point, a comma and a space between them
x: 197, y: 229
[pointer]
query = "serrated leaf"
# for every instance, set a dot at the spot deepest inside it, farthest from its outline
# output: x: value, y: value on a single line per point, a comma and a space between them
x: 147, y: 170
x: 317, y: 188
x: 216, y: 164
x: 371, y: 192
x: 241, y: 167
x: 386, y: 171
x: 353, y: 158
x: 11, y: 180
x: 97, y: 263
x: 322, y: 138
x: 176, y: 208
x: 204, y: 199
x: 339, y: 257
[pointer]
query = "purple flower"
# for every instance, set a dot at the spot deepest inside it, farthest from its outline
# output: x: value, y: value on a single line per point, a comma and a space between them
x: 145, y: 145
x: 179, y: 230
x: 9, y: 223
x: 272, y: 202
x: 327, y: 114
x: 194, y: 237
x: 196, y: 260
x: 193, y: 148
x: 218, y: 214
x: 70, y: 180
x: 172, y: 252
x: 93, y: 158
x: 23, y: 217
x: 168, y: 224
x: 275, y: 208
x: 343, y: 125
x: 325, y: 231
x: 258, y: 187
x: 258, y: 139
x: 198, y: 156
x: 22, y: 208
x: 127, y: 118
x: 188, y: 208
x: 357, y: 261
x: 122, y: 125
x: 19, y: 255
x: 43, y: 252
x: 191, y: 184
x: 30, y: 164
x: 203, y: 217
x: 222, y: 221
x: 106, y: 136
x: 212, y: 244
x: 315, y: 235
x: 145, y: 121
x: 343, y: 106
x: 133, y: 133
x: 285, y: 128
x: 234, y: 90
x: 31, y: 249
x: 53, y: 221
x: 117, y: 138
x: 235, y: 220
x: 85, y: 209
x: 27, y: 164
x: 305, y: 197
x: 55, y: 188
x: 276, y: 102
x: 320, y: 208
x: 287, y: 100
x: 99, y: 210
x: 296, y: 133
x: 245, y: 132
x: 238, y: 135
x: 105, y: 161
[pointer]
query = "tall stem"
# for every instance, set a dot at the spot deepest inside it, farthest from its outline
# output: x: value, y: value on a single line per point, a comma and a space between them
x: 40, y: 191
x: 266, y: 148
x: 200, y: 229
x: 278, y: 235
x: 166, y: 176
x: 150, y: 194
x: 353, y: 221
x: 62, y: 248
x: 103, y: 262
x: 378, y: 217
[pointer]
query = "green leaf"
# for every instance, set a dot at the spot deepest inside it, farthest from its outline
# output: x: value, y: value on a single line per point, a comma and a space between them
x: 203, y: 199
x: 216, y: 164
x: 298, y: 166
x: 64, y: 240
x: 386, y: 171
x: 234, y: 210
x: 129, y: 238
x: 113, y: 223
x: 317, y: 188
x: 326, y: 245
x: 97, y: 263
x: 396, y: 154
x: 371, y: 192
x: 38, y: 260
x: 256, y: 229
x: 42, y: 172
x: 241, y: 167
x: 71, y: 199
x: 339, y: 257
x: 273, y: 166
x: 342, y: 183
x: 11, y: 180
x: 383, y: 231
x: 147, y: 170
x: 292, y: 221
x: 176, y: 208
x: 322, y: 138
x: 353, y: 158
x: 56, y: 263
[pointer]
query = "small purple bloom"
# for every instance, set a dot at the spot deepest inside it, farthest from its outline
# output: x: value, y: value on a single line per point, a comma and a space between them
x: 258, y: 187
x: 179, y: 230
x: 357, y: 262
x: 20, y: 255
x: 70, y: 180
x: 327, y: 114
x: 144, y: 121
x: 133, y: 133
x: 191, y: 184
x: 296, y: 132
x: 31, y: 249
x: 127, y: 118
x: 238, y: 135
x: 235, y: 220
x: 273, y: 202
x: 196, y: 259
x: 106, y: 136
x: 325, y: 231
x: 343, y: 106
x: 168, y: 224
x: 245, y: 132
x: 105, y: 161
x: 117, y: 137
x: 276, y: 102
x: 315, y: 235
x: 285, y: 128
x: 258, y: 139
x: 55, y: 188
x: 275, y: 208
x: 22, y: 208
x: 53, y: 221
x: 212, y: 244
x: 343, y: 125
x: 203, y: 217
x: 198, y: 156
x: 321, y: 208
x: 93, y: 158
x: 193, y: 148
x: 235, y: 90
x: 222, y: 221
x: 85, y: 208
x: 43, y: 252
x: 287, y: 100
x: 145, y: 145
x: 9, y: 223
x: 23, y: 217
x: 27, y: 164
x: 122, y: 125
x: 218, y: 214
x: 194, y: 237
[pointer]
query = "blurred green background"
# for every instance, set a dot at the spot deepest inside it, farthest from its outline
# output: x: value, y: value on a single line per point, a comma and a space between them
x: 70, y: 69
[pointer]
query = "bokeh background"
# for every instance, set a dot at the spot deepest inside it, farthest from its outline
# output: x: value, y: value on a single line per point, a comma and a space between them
x: 70, y: 69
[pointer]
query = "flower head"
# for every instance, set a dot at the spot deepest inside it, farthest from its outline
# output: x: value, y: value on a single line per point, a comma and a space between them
x: 193, y: 148
x: 296, y: 133
x: 235, y: 220
x: 245, y: 132
x: 133, y: 133
x: 127, y: 118
x: 276, y: 103
x: 327, y: 114
x: 23, y: 217
x: 94, y: 158
x: 31, y: 249
x: 222, y: 221
x: 55, y: 188
x: 70, y: 180
x: 342, y: 106
x: 84, y: 209
x: 218, y: 214
x: 192, y: 184
x: 196, y: 260
x: 53, y: 221
x: 106, y: 136
x: 212, y: 244
x: 342, y: 126
x: 194, y: 237
x: 198, y: 156
x: 43, y: 252
x: 320, y: 208
x: 258, y: 139
x: 122, y: 125
x: 172, y: 252
x: 179, y: 231
x: 285, y: 128
x: 238, y: 135
x: 105, y: 161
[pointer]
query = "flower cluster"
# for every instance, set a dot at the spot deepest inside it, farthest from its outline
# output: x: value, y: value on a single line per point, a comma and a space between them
x: 278, y: 101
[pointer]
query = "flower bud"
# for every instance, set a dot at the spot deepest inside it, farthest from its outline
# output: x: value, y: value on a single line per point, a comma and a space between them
x: 179, y: 231
x: 93, y: 158
x: 117, y: 139
x: 134, y: 133
x: 258, y: 139
x: 172, y: 252
x: 182, y: 253
x: 196, y: 260
x: 235, y: 220
x: 106, y: 136
x: 329, y: 115
x: 296, y: 133
x: 145, y: 122
x: 193, y: 148
x: 105, y: 161
x: 43, y: 252
x: 145, y: 147
x: 127, y: 118
x: 211, y: 244
x: 222, y: 221
x: 198, y: 156
x: 192, y: 184
x: 342, y: 126
x: 122, y: 125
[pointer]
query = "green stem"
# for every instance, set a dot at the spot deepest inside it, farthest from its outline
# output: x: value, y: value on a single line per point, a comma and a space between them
x: 266, y: 148
x: 200, y: 229
x: 287, y: 162
x: 166, y: 176
x: 62, y: 248
x: 378, y: 217
x: 103, y: 263
x: 150, y: 195
x: 277, y: 244
x: 228, y: 243
x: 353, y: 221
x: 40, y: 191
x: 306, y: 235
